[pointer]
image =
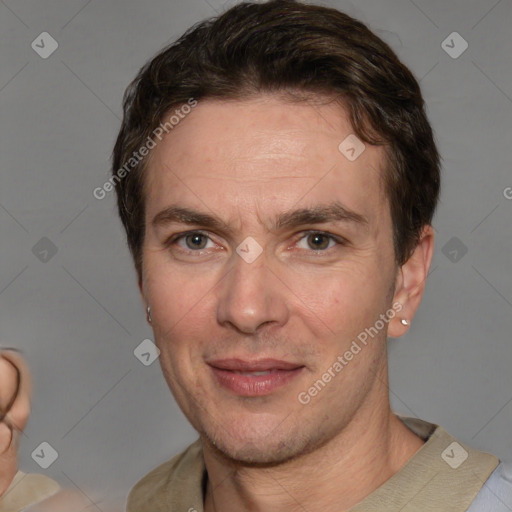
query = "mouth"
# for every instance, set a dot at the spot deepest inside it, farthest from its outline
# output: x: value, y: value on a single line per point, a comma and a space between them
x: 254, y: 373
x: 254, y: 378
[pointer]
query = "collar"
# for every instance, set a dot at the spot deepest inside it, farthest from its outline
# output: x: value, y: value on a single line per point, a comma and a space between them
x: 434, y: 479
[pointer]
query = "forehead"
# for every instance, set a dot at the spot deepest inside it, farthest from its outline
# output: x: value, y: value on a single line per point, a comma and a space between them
x: 266, y: 154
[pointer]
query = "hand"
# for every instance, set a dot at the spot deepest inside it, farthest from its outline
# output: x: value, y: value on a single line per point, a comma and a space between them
x: 14, y: 422
x: 16, y: 417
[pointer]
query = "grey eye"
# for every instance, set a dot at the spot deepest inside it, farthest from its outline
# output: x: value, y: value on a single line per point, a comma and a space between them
x: 196, y: 241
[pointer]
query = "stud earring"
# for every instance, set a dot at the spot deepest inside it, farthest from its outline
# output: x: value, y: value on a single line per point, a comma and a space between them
x: 404, y: 321
x: 148, y: 314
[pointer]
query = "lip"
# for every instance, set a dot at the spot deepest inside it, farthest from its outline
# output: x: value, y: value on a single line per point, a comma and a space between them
x: 279, y: 373
x: 235, y: 364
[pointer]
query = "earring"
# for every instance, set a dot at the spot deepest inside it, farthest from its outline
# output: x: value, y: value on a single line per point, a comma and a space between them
x: 148, y: 314
x: 404, y: 321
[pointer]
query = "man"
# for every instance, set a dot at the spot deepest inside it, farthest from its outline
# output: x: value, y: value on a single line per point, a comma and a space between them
x: 277, y: 176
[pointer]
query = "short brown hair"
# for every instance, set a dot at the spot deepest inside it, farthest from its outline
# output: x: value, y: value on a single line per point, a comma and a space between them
x: 286, y: 46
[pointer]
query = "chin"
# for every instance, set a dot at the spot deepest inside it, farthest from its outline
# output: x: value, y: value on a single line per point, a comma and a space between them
x: 268, y: 448
x: 257, y: 454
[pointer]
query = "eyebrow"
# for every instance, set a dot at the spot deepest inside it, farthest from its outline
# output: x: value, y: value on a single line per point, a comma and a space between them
x: 319, y: 214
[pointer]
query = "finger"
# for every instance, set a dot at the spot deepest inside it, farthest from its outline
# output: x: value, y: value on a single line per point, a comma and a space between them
x: 8, y: 376
x: 20, y: 410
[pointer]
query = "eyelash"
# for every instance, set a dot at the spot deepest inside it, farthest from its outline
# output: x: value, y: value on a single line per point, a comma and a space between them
x: 339, y: 241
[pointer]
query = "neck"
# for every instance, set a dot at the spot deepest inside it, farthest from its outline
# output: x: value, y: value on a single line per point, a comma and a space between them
x: 333, y: 478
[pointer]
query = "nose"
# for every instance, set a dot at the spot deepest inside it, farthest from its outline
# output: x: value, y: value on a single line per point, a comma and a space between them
x: 250, y: 296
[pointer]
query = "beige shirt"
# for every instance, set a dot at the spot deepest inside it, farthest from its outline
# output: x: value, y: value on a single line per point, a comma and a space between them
x: 437, y: 478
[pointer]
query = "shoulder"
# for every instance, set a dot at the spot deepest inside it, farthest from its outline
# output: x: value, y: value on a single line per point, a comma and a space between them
x: 496, y: 493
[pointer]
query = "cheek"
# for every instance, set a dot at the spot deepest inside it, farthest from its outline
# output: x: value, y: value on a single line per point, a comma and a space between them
x: 181, y: 311
x: 174, y: 294
x: 344, y: 298
x: 181, y: 326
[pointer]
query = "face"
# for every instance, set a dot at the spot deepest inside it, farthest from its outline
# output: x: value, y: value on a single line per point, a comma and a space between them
x: 265, y: 242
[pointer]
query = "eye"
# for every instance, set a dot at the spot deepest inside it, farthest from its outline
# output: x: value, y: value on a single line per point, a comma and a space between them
x: 319, y: 241
x: 194, y: 241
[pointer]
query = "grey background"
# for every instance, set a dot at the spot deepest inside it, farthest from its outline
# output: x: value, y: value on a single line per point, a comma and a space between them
x: 78, y: 316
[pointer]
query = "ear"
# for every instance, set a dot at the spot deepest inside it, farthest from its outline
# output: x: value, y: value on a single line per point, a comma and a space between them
x: 141, y: 283
x: 142, y: 290
x: 410, y: 282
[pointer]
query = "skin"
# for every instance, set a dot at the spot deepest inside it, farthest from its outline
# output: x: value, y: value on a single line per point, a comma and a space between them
x: 17, y: 416
x: 246, y: 162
